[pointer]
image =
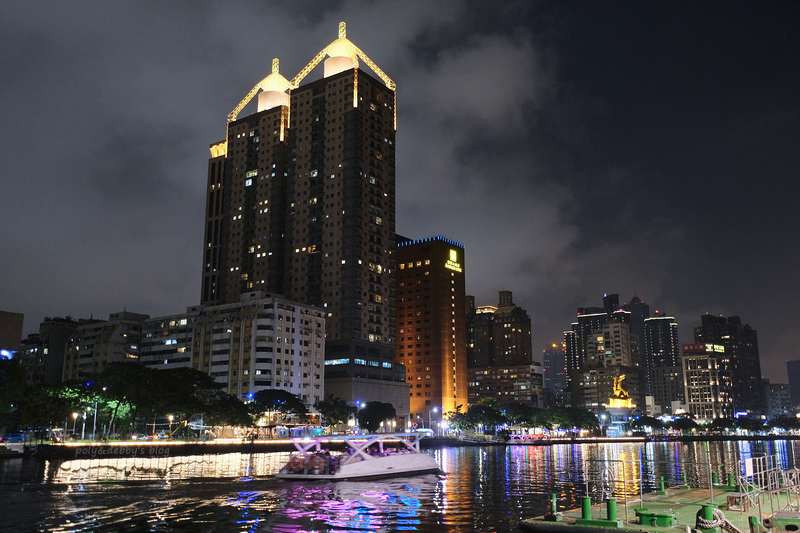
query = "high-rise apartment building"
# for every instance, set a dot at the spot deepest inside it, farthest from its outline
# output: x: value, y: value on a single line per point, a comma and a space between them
x: 500, y: 355
x: 498, y: 335
x: 431, y: 324
x: 662, y: 357
x: 301, y: 202
x: 741, y: 349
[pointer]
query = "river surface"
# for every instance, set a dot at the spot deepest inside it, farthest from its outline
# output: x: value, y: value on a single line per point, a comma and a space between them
x: 485, y: 489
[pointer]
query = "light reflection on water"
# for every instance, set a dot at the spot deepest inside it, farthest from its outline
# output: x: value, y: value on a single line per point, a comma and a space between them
x: 485, y: 489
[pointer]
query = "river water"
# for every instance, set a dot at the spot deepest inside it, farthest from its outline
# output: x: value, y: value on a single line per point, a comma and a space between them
x: 485, y: 489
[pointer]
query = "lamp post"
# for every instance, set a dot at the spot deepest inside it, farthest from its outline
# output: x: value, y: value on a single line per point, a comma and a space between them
x: 83, y: 428
x: 74, y: 422
x: 94, y: 425
x: 170, y: 425
x: 434, y: 410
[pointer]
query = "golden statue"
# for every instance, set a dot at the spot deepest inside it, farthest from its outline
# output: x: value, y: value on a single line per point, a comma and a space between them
x: 618, y: 391
x: 620, y: 398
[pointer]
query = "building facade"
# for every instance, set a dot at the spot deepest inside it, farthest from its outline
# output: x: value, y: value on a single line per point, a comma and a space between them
x: 301, y: 202
x: 507, y: 384
x: 96, y: 343
x: 708, y: 390
x: 261, y: 342
x: 431, y: 324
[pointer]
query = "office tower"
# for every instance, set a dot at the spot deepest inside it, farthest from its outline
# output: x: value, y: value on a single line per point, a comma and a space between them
x: 741, y: 347
x: 96, y: 343
x: 301, y: 202
x: 708, y: 390
x: 554, y: 369
x: 663, y: 359
x: 261, y: 342
x: 431, y: 325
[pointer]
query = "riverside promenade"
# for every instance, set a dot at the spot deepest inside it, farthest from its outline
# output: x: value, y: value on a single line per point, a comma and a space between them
x: 166, y: 448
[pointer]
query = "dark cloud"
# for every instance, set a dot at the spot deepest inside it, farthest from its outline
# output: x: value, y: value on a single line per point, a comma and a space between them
x: 575, y: 148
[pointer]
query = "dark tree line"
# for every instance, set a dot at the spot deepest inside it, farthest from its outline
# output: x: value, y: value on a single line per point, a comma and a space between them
x: 490, y: 416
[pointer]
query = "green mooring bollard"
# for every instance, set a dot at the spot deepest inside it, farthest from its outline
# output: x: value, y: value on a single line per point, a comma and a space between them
x: 684, y: 481
x: 611, y: 508
x: 708, y: 512
x: 661, y: 484
x: 586, y: 508
x: 731, y: 480
x: 714, y: 478
x: 553, y: 503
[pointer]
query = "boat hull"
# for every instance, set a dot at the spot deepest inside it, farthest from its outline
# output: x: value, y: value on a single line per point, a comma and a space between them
x: 396, y: 465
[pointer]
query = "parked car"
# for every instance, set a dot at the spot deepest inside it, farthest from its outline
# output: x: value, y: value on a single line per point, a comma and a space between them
x: 12, y: 437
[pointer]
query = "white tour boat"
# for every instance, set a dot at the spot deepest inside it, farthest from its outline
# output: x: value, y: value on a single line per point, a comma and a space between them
x: 358, y: 457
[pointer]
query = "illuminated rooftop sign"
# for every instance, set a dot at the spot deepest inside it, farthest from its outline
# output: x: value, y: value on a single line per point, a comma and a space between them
x: 453, y: 263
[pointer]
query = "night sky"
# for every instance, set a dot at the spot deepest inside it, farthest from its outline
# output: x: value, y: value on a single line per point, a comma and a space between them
x: 574, y: 148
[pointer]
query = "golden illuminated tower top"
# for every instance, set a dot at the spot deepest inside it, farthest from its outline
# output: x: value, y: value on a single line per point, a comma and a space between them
x: 343, y: 55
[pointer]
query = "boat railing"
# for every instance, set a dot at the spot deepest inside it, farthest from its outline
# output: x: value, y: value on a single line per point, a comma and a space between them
x: 765, y: 483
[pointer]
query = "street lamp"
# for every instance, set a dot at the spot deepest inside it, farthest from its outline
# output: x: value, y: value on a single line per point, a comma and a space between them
x: 74, y: 422
x: 434, y: 410
x: 83, y: 428
x: 170, y: 425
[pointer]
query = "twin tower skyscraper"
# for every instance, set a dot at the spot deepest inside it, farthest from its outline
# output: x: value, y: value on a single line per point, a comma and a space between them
x: 301, y: 202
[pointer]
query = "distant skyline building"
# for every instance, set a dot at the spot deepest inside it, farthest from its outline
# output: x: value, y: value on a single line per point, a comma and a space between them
x: 431, y: 325
x: 583, y: 358
x: 779, y: 399
x: 554, y: 374
x: 639, y: 312
x: 663, y: 359
x: 793, y: 371
x: 612, y: 356
x: 500, y: 353
x: 301, y: 202
x: 744, y: 363
x: 498, y: 335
